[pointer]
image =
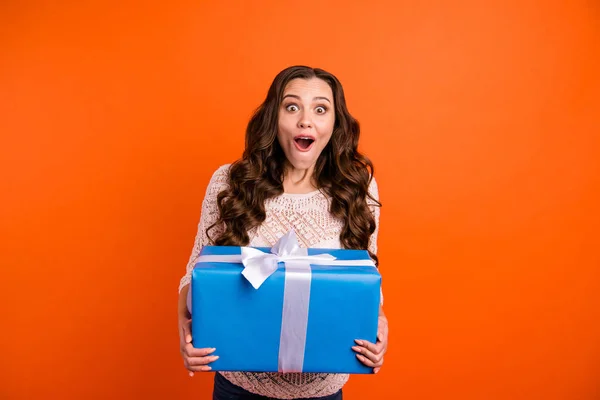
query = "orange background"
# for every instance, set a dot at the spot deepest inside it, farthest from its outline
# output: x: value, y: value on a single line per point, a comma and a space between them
x: 481, y: 118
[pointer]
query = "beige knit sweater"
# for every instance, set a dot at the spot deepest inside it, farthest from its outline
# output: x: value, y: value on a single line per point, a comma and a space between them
x: 308, y: 215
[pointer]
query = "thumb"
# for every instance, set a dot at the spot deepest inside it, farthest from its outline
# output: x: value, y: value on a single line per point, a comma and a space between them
x: 187, y: 331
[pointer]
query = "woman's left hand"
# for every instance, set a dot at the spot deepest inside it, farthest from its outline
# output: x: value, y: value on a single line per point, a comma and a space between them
x: 372, y: 354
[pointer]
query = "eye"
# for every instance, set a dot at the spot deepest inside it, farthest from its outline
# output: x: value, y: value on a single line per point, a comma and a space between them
x: 292, y: 108
x: 321, y: 110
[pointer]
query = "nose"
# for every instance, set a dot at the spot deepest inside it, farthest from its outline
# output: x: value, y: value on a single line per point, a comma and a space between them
x: 304, y: 122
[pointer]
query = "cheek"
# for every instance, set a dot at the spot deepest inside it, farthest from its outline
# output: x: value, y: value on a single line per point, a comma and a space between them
x: 284, y: 126
x: 326, y: 127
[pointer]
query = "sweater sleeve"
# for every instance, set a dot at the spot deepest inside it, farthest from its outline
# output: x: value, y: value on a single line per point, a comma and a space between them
x: 208, y: 216
x: 375, y: 210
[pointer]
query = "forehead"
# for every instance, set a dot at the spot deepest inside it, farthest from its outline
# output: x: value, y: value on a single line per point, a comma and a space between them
x: 313, y: 87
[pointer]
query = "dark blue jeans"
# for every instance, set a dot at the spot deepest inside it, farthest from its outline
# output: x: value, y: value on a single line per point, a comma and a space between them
x: 225, y: 390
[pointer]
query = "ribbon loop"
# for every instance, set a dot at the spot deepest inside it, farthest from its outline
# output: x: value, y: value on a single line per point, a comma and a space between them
x: 258, y: 266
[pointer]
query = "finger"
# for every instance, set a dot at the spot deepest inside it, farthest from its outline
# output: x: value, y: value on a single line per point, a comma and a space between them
x: 191, y: 351
x: 378, y: 347
x: 373, y: 357
x: 373, y: 348
x: 196, y: 361
x: 366, y: 361
x: 199, y: 368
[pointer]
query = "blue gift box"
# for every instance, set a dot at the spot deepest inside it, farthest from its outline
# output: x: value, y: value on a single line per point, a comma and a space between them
x: 245, y: 326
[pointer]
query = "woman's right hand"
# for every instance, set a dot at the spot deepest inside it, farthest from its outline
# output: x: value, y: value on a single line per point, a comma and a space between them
x: 195, y: 360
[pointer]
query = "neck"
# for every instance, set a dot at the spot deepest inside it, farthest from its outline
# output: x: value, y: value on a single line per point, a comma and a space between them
x: 298, y: 181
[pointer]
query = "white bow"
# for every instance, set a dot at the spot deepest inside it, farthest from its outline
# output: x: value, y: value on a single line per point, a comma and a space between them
x: 258, y: 266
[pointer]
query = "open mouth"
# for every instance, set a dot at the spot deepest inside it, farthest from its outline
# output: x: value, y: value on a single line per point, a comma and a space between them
x: 304, y: 143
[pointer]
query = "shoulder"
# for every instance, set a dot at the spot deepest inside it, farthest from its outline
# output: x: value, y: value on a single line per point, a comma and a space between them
x: 221, y: 174
x: 373, y: 184
x: 219, y: 181
x: 220, y: 177
x: 373, y: 187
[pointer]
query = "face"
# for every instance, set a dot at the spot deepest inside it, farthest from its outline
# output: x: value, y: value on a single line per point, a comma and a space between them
x: 306, y: 120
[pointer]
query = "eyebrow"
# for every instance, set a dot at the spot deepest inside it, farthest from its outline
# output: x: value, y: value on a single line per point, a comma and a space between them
x: 314, y: 98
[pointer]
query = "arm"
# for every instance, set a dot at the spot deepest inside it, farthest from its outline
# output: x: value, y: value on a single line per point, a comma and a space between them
x: 182, y: 308
x: 371, y: 354
x: 197, y: 359
x: 209, y: 215
x: 375, y: 210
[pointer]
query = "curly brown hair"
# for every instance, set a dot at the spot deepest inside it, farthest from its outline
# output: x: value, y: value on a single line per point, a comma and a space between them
x: 341, y: 172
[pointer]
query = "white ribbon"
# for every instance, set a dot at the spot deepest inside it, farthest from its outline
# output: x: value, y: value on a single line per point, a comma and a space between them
x: 258, y: 266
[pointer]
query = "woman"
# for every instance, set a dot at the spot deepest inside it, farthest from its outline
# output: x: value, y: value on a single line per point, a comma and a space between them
x: 301, y: 170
